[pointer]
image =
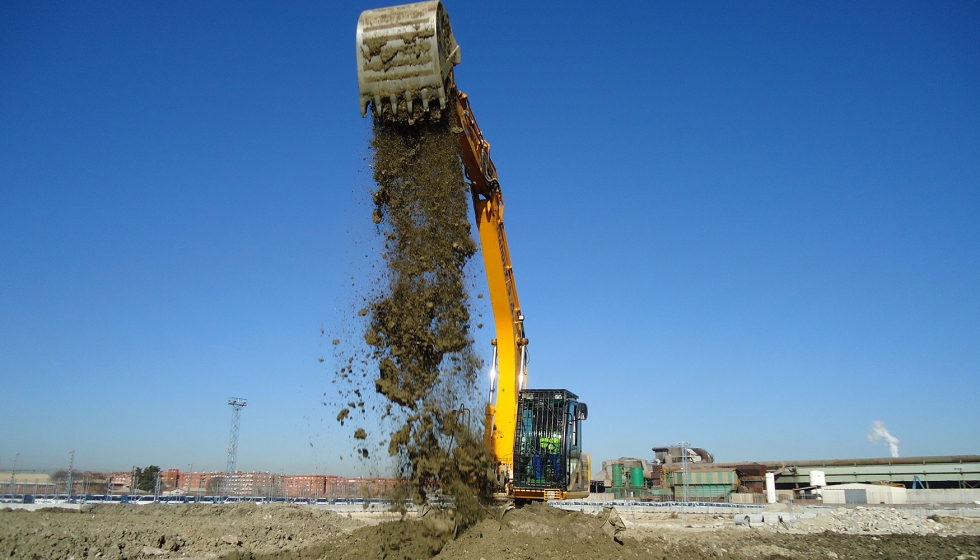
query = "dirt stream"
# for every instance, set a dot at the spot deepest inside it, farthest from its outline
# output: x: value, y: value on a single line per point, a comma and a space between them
x: 418, y: 355
x: 247, y: 531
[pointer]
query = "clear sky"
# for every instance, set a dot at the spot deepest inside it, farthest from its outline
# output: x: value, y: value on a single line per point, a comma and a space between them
x: 749, y: 225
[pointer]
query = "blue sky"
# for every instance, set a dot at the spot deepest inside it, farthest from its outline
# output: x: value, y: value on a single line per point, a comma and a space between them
x: 752, y: 226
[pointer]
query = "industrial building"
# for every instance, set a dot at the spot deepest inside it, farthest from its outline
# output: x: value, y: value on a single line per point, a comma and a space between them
x: 681, y: 473
x: 958, y: 471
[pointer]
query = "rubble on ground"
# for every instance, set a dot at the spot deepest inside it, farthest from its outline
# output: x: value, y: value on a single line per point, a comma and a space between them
x: 860, y: 520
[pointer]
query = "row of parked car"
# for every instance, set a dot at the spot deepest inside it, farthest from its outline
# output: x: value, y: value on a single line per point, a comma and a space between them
x: 638, y: 503
x: 147, y: 499
x: 17, y: 499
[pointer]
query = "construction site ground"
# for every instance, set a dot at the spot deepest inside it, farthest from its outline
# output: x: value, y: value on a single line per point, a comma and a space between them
x: 276, y: 531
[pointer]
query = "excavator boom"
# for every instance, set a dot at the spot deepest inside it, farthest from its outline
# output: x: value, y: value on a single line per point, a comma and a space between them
x: 510, y: 344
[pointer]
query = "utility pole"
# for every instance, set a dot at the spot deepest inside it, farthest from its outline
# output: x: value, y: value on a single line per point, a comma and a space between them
x: 236, y: 405
x: 13, y: 474
x: 71, y: 467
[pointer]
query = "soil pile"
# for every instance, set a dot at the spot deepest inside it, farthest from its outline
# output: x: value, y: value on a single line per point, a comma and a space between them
x: 195, y: 531
x: 407, y: 539
x: 418, y: 327
x: 541, y: 531
x: 534, y: 532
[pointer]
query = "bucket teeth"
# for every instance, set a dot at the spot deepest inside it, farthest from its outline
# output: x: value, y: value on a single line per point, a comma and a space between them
x: 408, y: 102
x: 394, y: 104
x: 425, y: 99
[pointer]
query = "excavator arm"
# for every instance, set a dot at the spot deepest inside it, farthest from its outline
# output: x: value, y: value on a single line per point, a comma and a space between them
x: 510, y: 346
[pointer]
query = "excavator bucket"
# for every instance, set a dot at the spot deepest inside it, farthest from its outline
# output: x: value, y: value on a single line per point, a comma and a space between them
x: 405, y: 57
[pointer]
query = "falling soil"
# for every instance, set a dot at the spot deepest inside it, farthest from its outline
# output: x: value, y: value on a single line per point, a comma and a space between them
x: 417, y: 323
x: 423, y: 317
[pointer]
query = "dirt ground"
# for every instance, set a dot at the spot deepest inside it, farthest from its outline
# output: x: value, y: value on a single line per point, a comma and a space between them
x: 247, y: 531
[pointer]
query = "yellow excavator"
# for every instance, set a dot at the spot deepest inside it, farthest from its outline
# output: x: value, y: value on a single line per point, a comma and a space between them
x: 405, y: 60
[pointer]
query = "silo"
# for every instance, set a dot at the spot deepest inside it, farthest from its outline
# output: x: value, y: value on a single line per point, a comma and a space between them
x: 636, y: 477
x: 617, y: 472
x: 818, y: 479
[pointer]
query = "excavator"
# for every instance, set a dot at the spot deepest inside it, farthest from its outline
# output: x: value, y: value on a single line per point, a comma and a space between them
x: 405, y: 60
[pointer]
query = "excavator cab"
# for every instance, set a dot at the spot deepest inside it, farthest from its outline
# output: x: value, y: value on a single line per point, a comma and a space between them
x: 548, y: 460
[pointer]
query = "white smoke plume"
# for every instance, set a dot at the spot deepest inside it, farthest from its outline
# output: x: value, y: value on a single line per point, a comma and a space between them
x: 879, y: 431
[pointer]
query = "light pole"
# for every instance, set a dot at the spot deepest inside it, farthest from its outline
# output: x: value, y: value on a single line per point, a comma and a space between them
x: 236, y: 404
x: 13, y: 473
x: 684, y: 445
x: 71, y: 467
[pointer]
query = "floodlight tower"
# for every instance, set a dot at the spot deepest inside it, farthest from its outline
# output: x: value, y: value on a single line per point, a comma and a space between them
x: 236, y: 405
